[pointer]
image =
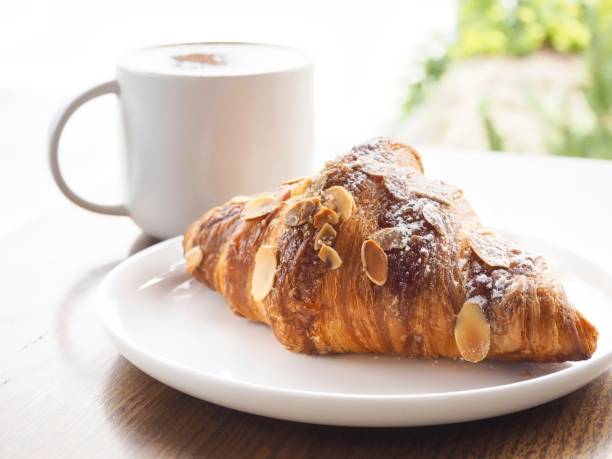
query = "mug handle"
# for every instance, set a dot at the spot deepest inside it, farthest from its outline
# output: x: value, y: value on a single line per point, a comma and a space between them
x: 57, y: 126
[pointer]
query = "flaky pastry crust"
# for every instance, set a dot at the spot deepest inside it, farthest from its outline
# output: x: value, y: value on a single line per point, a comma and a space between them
x: 370, y: 255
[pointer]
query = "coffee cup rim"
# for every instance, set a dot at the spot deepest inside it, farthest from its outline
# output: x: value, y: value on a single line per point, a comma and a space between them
x: 307, y: 61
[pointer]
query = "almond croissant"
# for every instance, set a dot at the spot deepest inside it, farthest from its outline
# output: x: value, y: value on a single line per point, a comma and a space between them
x: 372, y: 256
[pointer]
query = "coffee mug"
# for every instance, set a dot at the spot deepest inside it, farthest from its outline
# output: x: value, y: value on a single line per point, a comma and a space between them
x: 202, y: 122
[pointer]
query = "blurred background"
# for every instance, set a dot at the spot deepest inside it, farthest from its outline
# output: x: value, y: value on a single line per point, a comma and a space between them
x: 530, y: 76
x: 527, y: 76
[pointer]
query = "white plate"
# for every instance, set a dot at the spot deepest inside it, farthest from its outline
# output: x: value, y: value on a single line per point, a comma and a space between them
x: 184, y: 335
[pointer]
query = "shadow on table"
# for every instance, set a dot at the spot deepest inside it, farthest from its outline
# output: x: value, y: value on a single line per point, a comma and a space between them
x: 142, y: 242
x: 152, y: 418
x: 75, y: 318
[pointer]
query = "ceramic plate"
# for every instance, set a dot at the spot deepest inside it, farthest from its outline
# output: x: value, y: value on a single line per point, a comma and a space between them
x: 183, y: 334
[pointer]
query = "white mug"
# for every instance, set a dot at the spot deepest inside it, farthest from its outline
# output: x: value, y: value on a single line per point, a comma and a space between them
x: 202, y: 122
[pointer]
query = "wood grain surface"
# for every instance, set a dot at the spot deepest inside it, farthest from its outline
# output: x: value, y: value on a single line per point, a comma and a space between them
x: 66, y: 392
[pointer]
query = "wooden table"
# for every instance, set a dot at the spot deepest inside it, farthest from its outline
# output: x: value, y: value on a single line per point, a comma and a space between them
x: 66, y: 392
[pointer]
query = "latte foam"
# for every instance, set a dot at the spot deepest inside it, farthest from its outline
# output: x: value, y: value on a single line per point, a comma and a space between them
x: 201, y: 59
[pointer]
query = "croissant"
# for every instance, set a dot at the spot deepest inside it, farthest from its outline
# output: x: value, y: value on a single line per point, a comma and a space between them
x: 370, y: 255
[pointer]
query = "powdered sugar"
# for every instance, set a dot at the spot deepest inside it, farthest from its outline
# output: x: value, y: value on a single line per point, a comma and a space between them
x: 523, y: 263
x: 420, y: 234
x: 355, y: 181
x: 495, y: 284
x: 489, y: 248
x: 483, y: 279
x: 501, y: 280
x: 478, y: 299
x: 434, y: 189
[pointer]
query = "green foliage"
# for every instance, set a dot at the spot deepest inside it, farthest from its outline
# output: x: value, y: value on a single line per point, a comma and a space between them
x: 595, y: 142
x: 434, y: 68
x: 493, y: 27
x: 486, y: 27
x: 494, y: 138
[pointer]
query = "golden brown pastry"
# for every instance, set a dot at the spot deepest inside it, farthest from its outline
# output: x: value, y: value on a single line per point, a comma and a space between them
x: 372, y: 256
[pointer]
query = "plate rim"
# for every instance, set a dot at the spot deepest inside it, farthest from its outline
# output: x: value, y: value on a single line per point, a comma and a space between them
x: 595, y: 366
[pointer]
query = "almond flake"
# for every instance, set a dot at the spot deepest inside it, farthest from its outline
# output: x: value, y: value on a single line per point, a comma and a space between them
x: 193, y: 258
x: 318, y: 184
x: 190, y: 235
x: 472, y: 332
x: 325, y: 215
x: 301, y: 187
x: 301, y: 212
x: 490, y: 249
x: 391, y: 238
x: 293, y: 180
x: 330, y: 257
x: 406, y: 156
x: 240, y: 199
x: 434, y: 189
x: 340, y: 200
x: 264, y: 272
x: 397, y: 186
x: 260, y: 206
x: 325, y: 236
x: 374, y: 168
x: 374, y: 261
x: 433, y: 216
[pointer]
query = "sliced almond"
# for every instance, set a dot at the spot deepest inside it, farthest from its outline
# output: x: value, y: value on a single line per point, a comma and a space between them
x: 472, y: 332
x: 330, y: 257
x: 337, y: 198
x: 240, y: 199
x: 301, y: 187
x: 301, y: 211
x: 318, y: 184
x: 396, y: 185
x: 190, y: 235
x: 375, y: 262
x: 490, y: 249
x: 325, y: 215
x: 293, y: 180
x: 193, y: 258
x: 325, y: 236
x: 434, y: 189
x: 260, y: 206
x: 374, y: 168
x: 406, y: 156
x: 392, y: 238
x: 263, y: 272
x: 433, y: 216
